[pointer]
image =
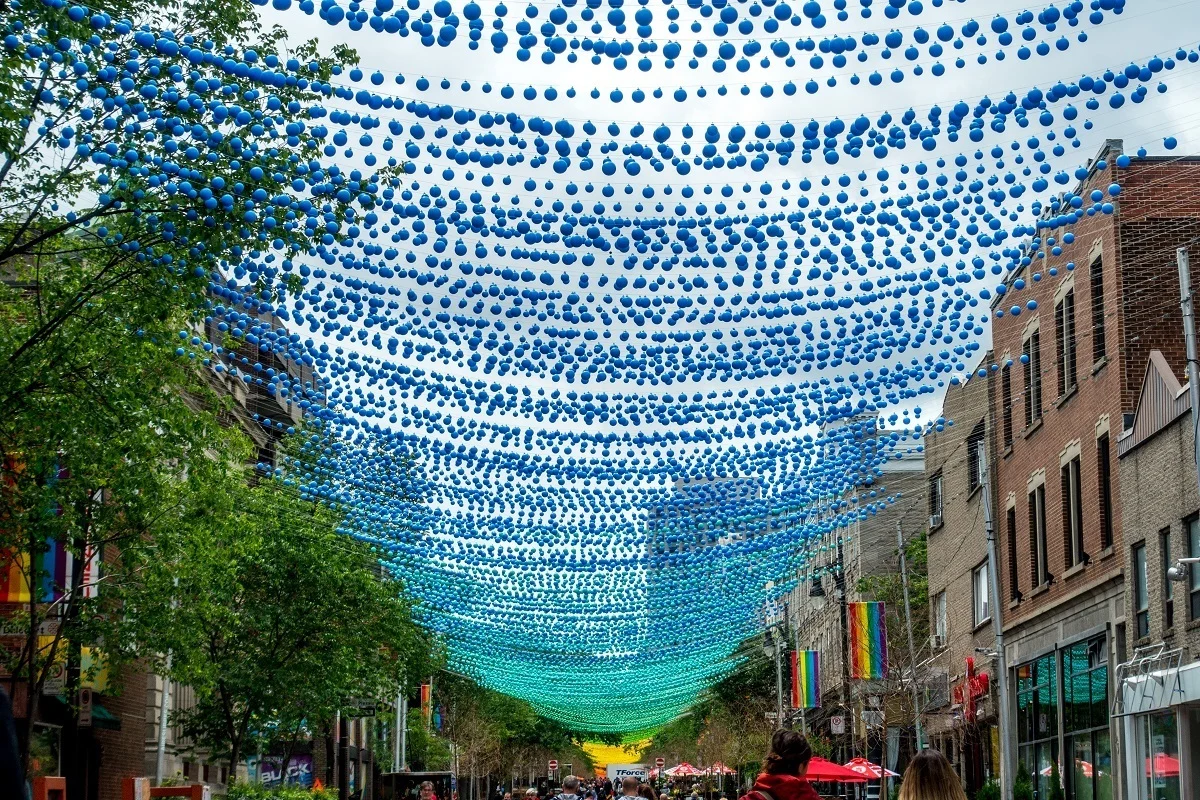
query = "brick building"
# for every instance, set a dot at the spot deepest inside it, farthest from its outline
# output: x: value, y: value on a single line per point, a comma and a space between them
x: 1070, y: 372
x: 1160, y: 504
x: 960, y: 716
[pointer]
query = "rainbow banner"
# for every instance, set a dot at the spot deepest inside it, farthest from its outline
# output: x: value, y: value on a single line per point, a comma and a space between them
x: 57, y: 572
x: 427, y: 703
x: 806, y: 679
x: 868, y: 641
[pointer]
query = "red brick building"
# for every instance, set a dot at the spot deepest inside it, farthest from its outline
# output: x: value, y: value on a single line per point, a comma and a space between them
x: 1070, y: 370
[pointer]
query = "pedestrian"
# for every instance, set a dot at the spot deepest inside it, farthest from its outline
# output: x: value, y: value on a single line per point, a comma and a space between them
x: 12, y: 784
x: 646, y: 791
x: 531, y: 793
x: 783, y: 773
x: 930, y: 777
x: 629, y: 786
x: 570, y: 789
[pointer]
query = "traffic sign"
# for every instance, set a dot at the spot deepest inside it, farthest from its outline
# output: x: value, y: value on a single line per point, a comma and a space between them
x: 56, y: 679
x: 553, y: 765
x: 85, y: 707
x: 660, y: 762
x: 837, y: 725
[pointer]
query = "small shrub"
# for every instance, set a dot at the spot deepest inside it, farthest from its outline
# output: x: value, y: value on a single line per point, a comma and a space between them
x: 256, y: 791
x: 1023, y: 783
x: 989, y: 791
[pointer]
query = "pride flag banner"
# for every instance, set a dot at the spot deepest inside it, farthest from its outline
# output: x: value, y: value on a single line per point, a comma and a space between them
x: 57, y: 572
x: 868, y: 641
x: 806, y: 679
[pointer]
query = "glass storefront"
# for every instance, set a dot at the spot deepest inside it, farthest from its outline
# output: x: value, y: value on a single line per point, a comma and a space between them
x: 1063, y: 697
x: 1159, y: 752
x: 1089, y: 774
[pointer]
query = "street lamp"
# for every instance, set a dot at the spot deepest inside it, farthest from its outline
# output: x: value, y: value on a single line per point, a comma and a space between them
x: 774, y: 649
x: 1180, y: 571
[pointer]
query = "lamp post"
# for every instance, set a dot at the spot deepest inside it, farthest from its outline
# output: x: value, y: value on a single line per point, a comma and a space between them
x: 774, y: 650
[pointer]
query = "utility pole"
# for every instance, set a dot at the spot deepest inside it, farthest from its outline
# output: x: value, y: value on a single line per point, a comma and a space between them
x: 398, y: 739
x: 343, y: 757
x: 161, y: 756
x: 1189, y: 339
x: 912, y: 652
x: 1006, y: 749
x: 839, y: 582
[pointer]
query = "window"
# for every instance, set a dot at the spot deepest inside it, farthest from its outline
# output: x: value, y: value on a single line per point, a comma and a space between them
x: 1168, y: 587
x: 1104, y: 479
x: 1193, y: 528
x: 1064, y: 324
x: 979, y: 591
x: 1072, y: 514
x: 975, y: 455
x: 935, y: 501
x: 1006, y: 404
x: 1032, y: 356
x: 1141, y: 596
x: 1037, y: 720
x: 1086, y: 741
x: 1099, y: 346
x: 939, y: 619
x: 1039, y: 565
x: 1014, y: 584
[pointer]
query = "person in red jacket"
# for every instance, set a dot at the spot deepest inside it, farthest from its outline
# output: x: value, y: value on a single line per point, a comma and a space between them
x: 783, y: 774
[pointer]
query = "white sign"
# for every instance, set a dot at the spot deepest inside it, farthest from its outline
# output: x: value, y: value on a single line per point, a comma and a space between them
x: 85, y: 707
x: 617, y: 772
x: 56, y: 679
x: 837, y: 725
x: 660, y: 762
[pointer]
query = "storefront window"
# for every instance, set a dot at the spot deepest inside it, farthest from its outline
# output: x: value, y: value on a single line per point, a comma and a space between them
x: 1161, y: 748
x: 1085, y: 720
x: 1037, y: 720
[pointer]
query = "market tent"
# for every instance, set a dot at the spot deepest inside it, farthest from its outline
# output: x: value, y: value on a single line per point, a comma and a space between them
x: 821, y: 770
x: 720, y: 769
x: 684, y: 770
x: 867, y: 769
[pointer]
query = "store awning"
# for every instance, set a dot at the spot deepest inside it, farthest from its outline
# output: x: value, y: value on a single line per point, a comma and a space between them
x: 102, y: 718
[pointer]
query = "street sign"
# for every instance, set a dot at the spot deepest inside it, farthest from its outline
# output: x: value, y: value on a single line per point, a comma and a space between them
x: 553, y: 765
x: 85, y: 707
x: 837, y: 725
x: 362, y: 708
x: 660, y: 762
x: 56, y: 679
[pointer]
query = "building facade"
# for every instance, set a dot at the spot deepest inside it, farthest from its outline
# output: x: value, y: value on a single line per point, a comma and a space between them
x: 960, y: 713
x: 1160, y: 683
x: 1069, y: 369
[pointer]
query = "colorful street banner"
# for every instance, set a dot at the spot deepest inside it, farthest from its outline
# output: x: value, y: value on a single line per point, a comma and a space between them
x: 56, y: 573
x: 806, y: 679
x: 868, y: 641
x: 427, y: 703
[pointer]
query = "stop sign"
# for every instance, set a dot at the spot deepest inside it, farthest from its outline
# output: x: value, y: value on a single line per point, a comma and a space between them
x: 659, y: 762
x: 553, y: 765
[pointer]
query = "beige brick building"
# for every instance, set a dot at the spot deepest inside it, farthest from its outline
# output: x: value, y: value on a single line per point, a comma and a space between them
x: 961, y: 711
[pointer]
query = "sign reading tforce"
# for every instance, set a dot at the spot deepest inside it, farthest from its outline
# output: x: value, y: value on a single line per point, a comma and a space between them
x: 618, y: 771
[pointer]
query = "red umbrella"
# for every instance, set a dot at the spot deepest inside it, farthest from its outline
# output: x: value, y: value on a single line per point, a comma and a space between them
x: 821, y: 770
x: 867, y: 769
x: 684, y: 770
x: 1163, y: 766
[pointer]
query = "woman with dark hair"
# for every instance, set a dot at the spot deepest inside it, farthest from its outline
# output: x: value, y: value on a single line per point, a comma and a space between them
x: 646, y: 792
x: 930, y: 777
x: 783, y: 773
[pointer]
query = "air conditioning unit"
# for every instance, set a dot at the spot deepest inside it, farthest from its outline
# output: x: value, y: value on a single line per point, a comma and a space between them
x: 935, y: 520
x: 937, y: 641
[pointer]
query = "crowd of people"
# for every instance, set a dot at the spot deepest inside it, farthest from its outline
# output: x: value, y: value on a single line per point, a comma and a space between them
x: 929, y: 776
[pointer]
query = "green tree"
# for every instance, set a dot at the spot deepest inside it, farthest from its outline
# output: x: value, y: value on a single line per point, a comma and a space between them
x: 275, y: 618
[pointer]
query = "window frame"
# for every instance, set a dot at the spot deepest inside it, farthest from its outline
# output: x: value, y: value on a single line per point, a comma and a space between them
x: 1074, y: 552
x: 1140, y: 574
x: 1014, y: 572
x: 1192, y: 526
x: 1064, y: 331
x: 975, y: 452
x: 941, y: 624
x: 1006, y: 405
x: 1096, y: 276
x: 938, y: 481
x: 1168, y: 585
x: 1031, y: 349
x: 1039, y: 554
x: 981, y: 613
x: 1104, y: 488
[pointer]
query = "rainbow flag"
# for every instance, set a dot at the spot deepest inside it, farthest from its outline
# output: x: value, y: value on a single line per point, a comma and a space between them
x: 56, y: 572
x: 806, y: 679
x: 868, y: 641
x: 427, y: 703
